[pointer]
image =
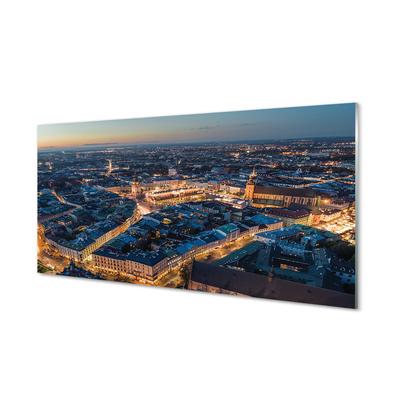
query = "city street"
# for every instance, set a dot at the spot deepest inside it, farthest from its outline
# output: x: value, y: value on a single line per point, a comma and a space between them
x: 329, y: 180
x: 146, y: 208
x: 45, y: 257
x: 171, y: 279
x: 219, y: 253
x: 51, y: 261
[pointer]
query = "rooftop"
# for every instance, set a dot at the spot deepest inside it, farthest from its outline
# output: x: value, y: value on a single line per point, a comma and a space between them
x: 283, y: 212
x: 254, y: 285
x: 282, y: 191
x: 228, y: 228
x: 147, y: 258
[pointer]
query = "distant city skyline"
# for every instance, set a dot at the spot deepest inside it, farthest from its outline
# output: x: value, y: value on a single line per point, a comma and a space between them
x: 335, y: 120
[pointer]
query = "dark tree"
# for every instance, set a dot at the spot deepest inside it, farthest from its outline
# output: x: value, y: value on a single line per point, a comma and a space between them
x: 144, y: 244
x: 344, y: 250
x: 184, y: 273
x: 126, y: 248
x: 341, y: 249
x: 349, y: 288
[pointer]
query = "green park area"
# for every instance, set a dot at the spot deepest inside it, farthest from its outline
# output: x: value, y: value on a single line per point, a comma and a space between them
x: 42, y: 269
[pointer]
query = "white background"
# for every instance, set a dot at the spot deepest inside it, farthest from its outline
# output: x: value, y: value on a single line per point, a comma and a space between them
x: 94, y: 60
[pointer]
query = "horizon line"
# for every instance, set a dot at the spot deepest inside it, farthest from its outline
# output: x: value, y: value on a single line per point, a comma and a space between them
x: 155, y: 142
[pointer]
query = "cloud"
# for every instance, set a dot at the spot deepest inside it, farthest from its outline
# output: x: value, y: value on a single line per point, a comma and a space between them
x: 217, y: 126
x: 98, y: 144
x: 207, y: 127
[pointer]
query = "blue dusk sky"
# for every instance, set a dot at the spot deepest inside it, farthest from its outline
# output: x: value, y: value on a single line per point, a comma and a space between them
x: 335, y: 120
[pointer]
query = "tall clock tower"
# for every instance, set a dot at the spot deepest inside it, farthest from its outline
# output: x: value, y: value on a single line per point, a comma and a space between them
x: 136, y: 191
x: 250, y: 186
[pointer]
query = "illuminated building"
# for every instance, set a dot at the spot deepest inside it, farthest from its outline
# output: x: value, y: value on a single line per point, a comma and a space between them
x: 329, y: 215
x: 163, y: 182
x: 291, y: 217
x: 229, y: 231
x: 168, y: 197
x: 265, y: 196
x: 136, y: 190
x: 289, y: 233
x: 92, y: 239
x: 336, y: 204
x: 144, y: 265
x: 111, y: 185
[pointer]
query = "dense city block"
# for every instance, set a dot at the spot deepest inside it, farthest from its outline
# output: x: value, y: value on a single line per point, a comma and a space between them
x: 272, y: 219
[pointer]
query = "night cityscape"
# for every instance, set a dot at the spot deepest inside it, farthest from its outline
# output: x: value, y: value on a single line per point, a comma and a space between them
x: 253, y: 203
x: 204, y: 176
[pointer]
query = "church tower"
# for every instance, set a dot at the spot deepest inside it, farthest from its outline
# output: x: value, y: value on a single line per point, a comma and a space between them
x: 136, y: 191
x: 271, y: 274
x: 250, y: 186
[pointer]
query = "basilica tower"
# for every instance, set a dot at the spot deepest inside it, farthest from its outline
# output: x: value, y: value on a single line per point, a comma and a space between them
x: 250, y: 186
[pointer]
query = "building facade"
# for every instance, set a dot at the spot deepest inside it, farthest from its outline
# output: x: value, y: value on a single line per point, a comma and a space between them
x: 269, y: 196
x: 143, y: 265
x: 329, y: 215
x: 80, y: 249
x: 170, y: 197
x: 290, y: 217
x: 136, y: 190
